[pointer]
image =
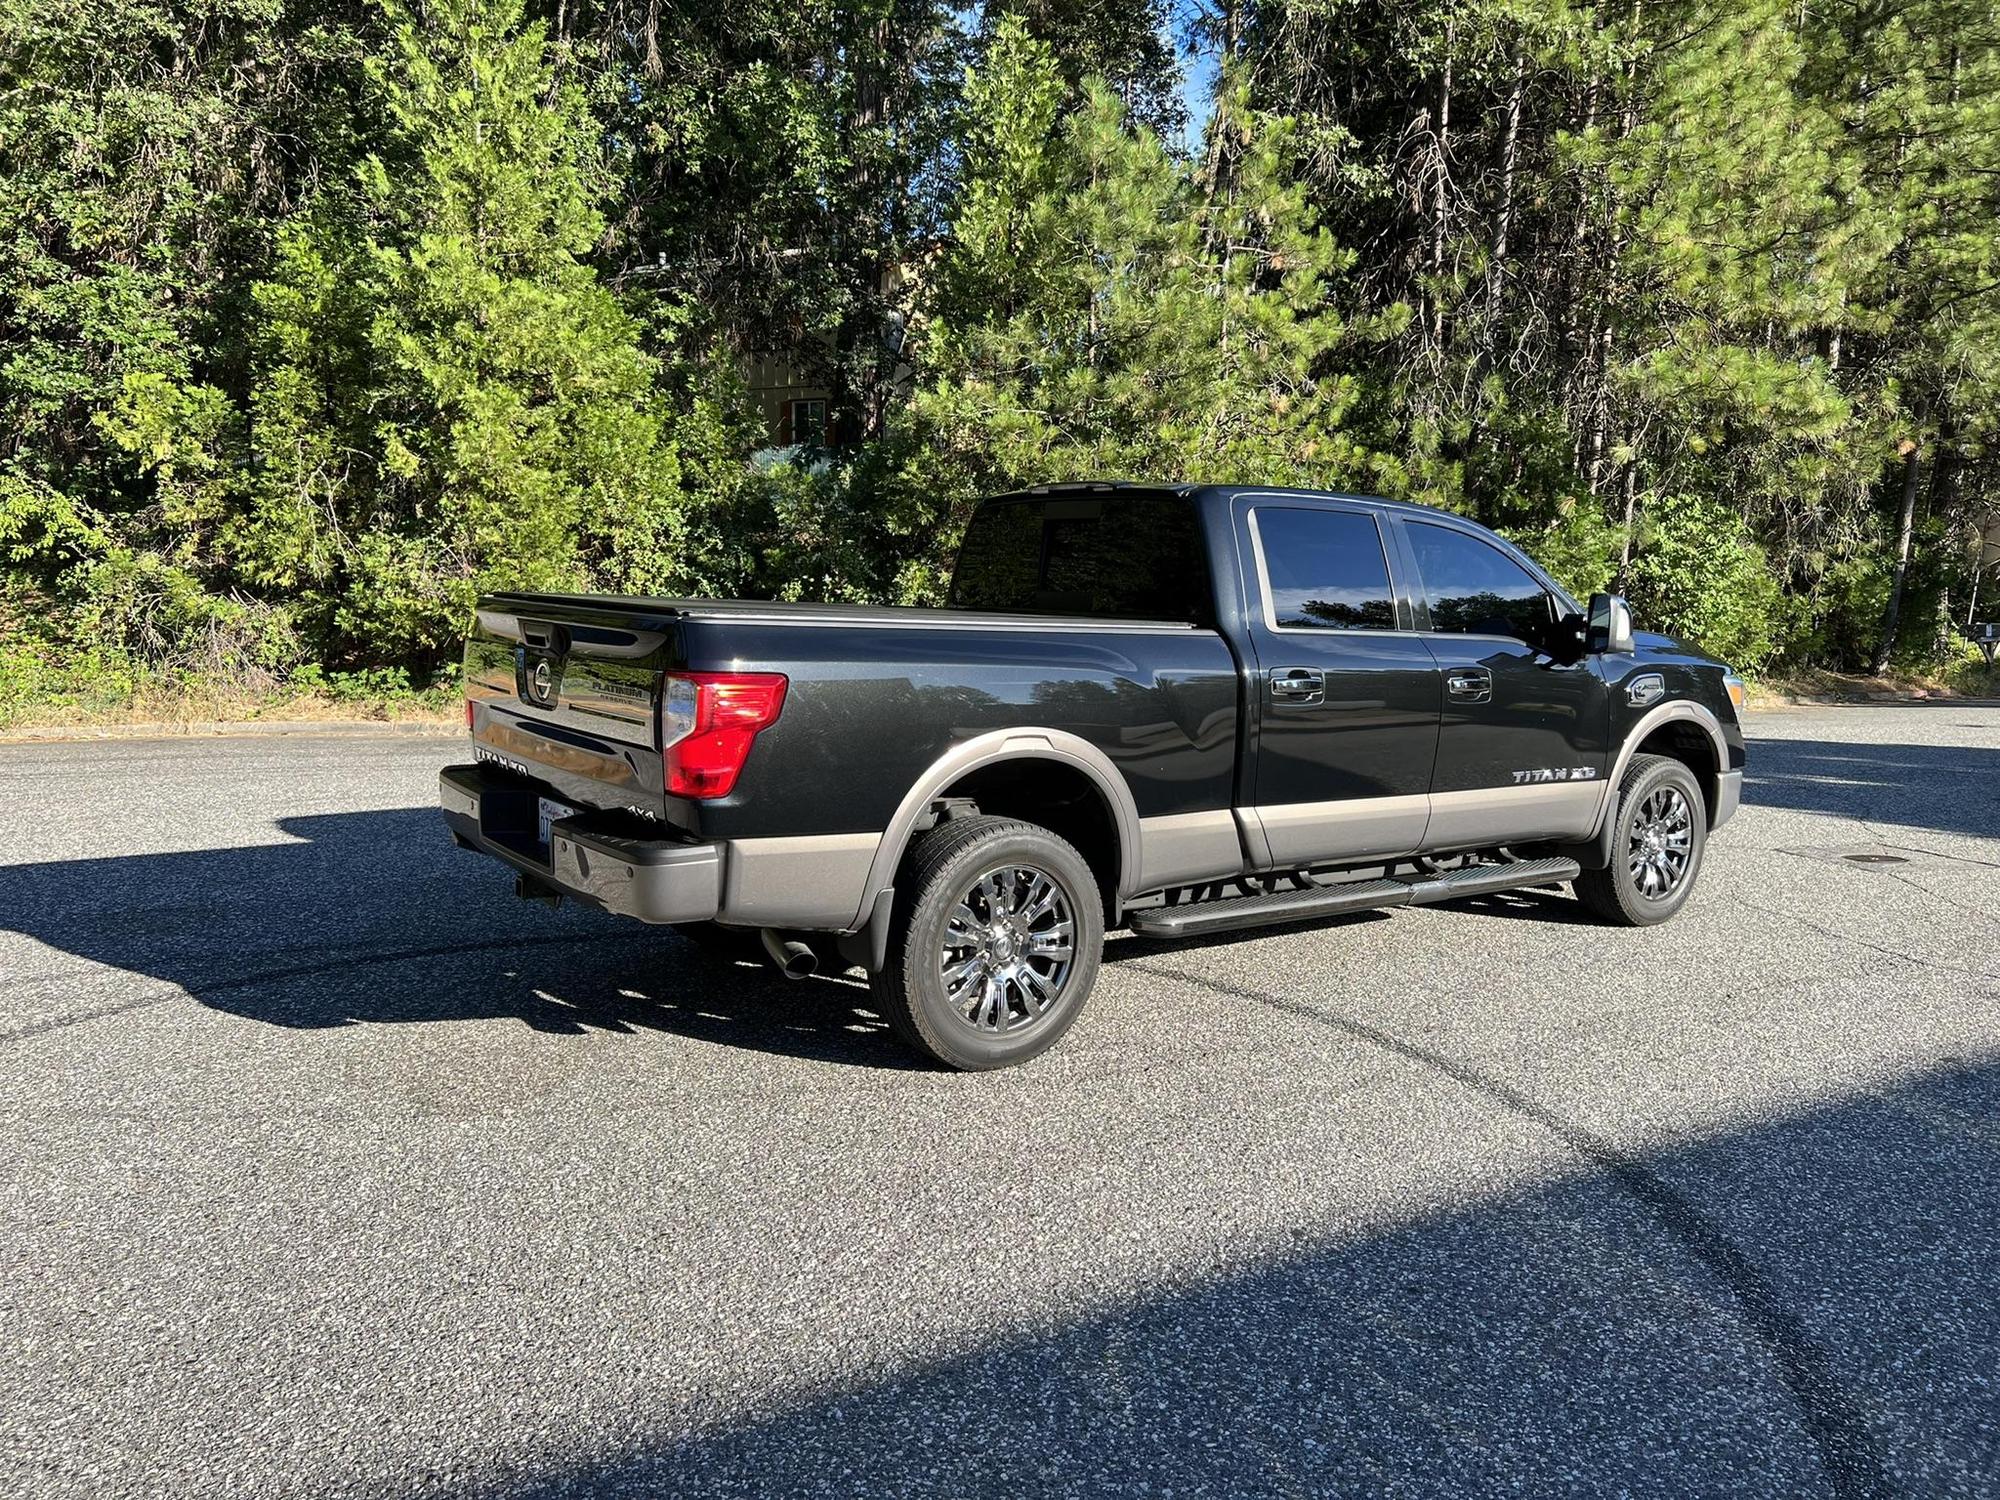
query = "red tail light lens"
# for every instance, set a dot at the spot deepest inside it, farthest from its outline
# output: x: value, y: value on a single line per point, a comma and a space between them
x: 707, y: 721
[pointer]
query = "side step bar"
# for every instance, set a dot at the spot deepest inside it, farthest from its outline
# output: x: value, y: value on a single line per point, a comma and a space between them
x: 1198, y: 917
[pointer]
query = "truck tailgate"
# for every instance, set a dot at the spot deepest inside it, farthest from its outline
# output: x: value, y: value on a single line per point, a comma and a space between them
x: 568, y: 694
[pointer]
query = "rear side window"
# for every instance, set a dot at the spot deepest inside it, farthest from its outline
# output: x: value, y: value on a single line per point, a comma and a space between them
x: 1476, y: 589
x: 1325, y: 570
x: 1133, y: 557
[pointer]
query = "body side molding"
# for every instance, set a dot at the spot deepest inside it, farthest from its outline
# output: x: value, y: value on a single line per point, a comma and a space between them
x: 1297, y: 834
x: 1186, y: 848
x: 1513, y: 814
x: 810, y: 880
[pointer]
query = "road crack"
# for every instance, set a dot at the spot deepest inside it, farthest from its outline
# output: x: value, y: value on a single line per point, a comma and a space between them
x: 1831, y: 1418
x: 1883, y: 948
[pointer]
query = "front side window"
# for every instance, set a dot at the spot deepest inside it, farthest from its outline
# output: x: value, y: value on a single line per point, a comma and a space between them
x: 1325, y: 570
x: 1474, y: 588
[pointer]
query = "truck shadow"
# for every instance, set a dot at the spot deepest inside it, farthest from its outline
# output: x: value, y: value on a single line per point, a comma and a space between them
x: 1798, y: 1305
x: 374, y: 917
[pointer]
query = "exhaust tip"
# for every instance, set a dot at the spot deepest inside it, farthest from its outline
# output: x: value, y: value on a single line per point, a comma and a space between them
x: 789, y: 956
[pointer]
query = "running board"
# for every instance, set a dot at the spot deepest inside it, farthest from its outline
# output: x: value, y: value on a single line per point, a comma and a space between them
x: 1195, y: 918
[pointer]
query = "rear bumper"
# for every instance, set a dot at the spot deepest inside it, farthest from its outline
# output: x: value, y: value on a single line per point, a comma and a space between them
x: 655, y: 880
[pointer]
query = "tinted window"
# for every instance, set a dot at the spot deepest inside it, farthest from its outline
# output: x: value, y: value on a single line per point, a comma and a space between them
x: 1136, y: 557
x: 1325, y: 570
x: 1475, y: 588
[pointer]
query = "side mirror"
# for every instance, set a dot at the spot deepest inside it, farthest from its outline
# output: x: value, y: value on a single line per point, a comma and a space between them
x: 1609, y: 625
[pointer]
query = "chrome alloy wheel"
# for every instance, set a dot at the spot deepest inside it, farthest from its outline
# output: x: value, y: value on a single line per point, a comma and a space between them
x: 1661, y: 843
x: 1008, y: 949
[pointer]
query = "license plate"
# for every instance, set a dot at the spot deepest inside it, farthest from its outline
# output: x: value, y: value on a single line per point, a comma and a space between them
x: 547, y: 812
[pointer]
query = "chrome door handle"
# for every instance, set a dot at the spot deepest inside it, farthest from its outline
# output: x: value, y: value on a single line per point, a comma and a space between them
x: 1298, y: 684
x: 1473, y: 687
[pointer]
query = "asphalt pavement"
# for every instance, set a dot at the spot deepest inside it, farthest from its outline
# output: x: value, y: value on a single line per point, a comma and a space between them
x: 329, y: 1169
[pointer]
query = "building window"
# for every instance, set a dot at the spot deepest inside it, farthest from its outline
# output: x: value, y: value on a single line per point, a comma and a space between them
x: 805, y: 421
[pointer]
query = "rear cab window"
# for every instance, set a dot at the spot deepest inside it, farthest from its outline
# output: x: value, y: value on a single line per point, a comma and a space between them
x: 1323, y: 569
x: 1125, y: 555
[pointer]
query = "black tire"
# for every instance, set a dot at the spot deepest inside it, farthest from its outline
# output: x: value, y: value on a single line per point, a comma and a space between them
x: 946, y: 870
x: 1627, y: 894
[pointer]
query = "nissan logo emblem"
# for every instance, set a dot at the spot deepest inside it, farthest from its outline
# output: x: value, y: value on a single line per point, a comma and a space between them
x: 542, y: 682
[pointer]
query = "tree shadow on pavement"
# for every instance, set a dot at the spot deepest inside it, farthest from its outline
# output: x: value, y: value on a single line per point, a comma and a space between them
x: 1944, y: 788
x: 376, y: 917
x: 1802, y: 1306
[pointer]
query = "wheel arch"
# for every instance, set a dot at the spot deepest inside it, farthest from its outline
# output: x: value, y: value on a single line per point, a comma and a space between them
x: 1680, y: 730
x: 1686, y: 732
x: 980, y: 764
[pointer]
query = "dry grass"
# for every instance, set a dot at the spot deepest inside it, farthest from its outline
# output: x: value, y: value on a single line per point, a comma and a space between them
x: 1814, y: 686
x: 197, y: 710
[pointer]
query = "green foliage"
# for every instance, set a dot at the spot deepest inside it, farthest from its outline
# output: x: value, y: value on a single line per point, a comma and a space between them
x: 1107, y: 309
x: 316, y: 320
x: 1579, y: 548
x: 451, y: 400
x: 1698, y: 575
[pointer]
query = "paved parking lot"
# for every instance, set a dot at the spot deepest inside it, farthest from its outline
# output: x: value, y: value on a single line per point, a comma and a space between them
x: 330, y: 1169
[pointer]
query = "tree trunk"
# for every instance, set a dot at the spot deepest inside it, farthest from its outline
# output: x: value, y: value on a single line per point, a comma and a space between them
x: 1440, y: 202
x: 1503, y: 218
x: 1892, y: 614
x: 1631, y: 525
x: 855, y: 405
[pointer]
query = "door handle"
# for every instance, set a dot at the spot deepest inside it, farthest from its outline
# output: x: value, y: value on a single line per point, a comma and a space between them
x: 1469, y: 687
x: 1298, y: 684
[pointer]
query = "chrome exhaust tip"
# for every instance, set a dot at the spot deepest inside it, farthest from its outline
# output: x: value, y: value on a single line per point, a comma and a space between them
x: 789, y: 956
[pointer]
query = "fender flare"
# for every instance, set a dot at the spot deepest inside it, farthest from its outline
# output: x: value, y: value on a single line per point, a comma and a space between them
x: 1678, y: 709
x: 1056, y: 745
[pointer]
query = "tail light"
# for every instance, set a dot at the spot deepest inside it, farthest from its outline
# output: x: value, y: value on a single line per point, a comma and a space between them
x: 707, y: 721
x: 468, y: 713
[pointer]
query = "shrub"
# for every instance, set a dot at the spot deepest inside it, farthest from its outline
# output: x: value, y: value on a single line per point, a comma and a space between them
x: 1698, y: 575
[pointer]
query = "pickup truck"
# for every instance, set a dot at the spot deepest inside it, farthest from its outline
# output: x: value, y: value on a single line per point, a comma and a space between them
x: 1176, y: 710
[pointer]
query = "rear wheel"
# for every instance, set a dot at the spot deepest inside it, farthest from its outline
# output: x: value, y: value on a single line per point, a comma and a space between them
x: 995, y: 945
x: 1659, y: 834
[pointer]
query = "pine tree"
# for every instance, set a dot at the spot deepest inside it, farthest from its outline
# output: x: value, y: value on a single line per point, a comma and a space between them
x: 451, y: 400
x: 1106, y: 309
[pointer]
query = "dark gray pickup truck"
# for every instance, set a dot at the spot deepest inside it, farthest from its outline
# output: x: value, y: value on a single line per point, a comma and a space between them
x: 1177, y: 710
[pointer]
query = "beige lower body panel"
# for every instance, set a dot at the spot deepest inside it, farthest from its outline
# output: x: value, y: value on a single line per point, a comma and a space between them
x: 814, y: 881
x: 1514, y: 814
x: 1186, y: 848
x: 1359, y: 828
x: 818, y: 881
x: 1304, y: 833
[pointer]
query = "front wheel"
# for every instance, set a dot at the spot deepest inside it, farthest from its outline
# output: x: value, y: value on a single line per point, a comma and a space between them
x: 995, y: 945
x: 1660, y: 831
